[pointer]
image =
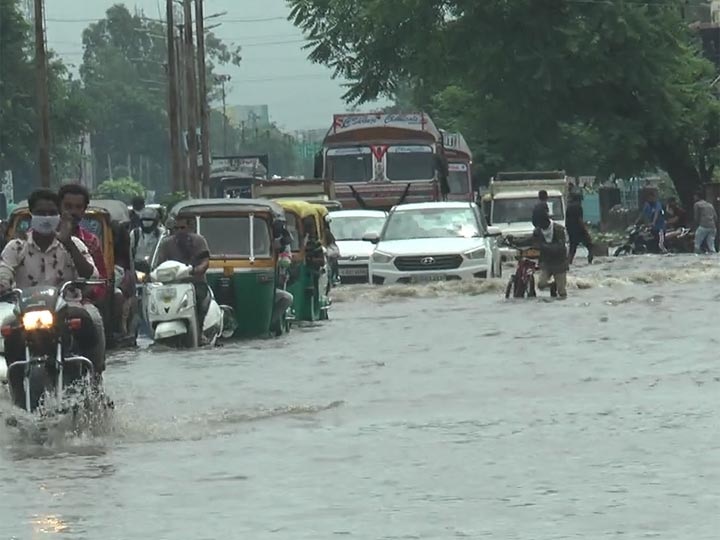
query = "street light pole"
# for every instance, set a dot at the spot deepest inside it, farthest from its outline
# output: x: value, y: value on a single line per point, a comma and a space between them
x: 204, y: 110
x: 176, y: 180
x: 191, y: 101
x: 41, y: 74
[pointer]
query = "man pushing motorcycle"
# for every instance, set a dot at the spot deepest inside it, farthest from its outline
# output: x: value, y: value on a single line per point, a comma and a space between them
x: 551, y: 240
x: 51, y: 255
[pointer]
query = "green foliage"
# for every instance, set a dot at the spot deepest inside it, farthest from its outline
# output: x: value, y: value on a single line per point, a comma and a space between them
x: 124, y: 72
x: 171, y: 199
x: 593, y: 87
x: 280, y: 147
x: 18, y: 102
x: 123, y: 189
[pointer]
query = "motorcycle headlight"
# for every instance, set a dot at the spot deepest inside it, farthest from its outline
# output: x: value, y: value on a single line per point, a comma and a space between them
x: 476, y: 254
x: 35, y: 320
x: 381, y: 258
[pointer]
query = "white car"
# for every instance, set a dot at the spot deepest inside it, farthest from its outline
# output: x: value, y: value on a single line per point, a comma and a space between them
x: 434, y: 242
x: 349, y: 227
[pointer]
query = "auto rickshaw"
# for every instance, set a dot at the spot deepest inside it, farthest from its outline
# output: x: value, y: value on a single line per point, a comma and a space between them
x: 243, y: 271
x: 309, y: 275
x: 109, y: 221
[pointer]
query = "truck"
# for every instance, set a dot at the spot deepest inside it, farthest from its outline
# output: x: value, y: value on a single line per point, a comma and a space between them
x: 512, y: 196
x: 316, y: 190
x: 459, y: 159
x: 234, y: 176
x: 379, y: 160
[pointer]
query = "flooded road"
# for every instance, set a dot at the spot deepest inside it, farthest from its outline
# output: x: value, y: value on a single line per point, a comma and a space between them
x: 432, y: 413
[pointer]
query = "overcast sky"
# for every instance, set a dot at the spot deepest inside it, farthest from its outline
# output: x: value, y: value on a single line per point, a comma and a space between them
x: 275, y: 70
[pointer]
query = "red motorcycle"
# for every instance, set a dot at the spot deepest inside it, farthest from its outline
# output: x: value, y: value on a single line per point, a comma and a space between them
x: 522, y: 282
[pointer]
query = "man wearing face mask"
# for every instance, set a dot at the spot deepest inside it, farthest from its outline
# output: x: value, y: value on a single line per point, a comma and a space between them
x: 51, y: 255
x: 74, y: 200
x: 145, y: 238
x: 192, y: 249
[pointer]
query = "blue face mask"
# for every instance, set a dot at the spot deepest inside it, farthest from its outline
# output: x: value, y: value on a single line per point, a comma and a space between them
x: 44, y: 225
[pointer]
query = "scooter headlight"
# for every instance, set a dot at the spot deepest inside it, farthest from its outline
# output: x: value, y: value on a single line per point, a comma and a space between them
x: 36, y: 320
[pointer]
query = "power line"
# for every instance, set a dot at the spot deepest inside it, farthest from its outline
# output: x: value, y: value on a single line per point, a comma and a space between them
x: 230, y: 21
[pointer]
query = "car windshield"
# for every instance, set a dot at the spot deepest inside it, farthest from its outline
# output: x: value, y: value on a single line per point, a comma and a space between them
x: 221, y: 244
x: 432, y: 223
x: 521, y: 210
x: 355, y: 227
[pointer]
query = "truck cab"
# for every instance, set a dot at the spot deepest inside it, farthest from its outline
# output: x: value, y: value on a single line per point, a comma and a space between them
x: 512, y: 197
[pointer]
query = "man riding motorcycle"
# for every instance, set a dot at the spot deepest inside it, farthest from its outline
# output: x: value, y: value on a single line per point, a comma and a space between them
x: 144, y: 239
x: 192, y: 249
x: 51, y: 255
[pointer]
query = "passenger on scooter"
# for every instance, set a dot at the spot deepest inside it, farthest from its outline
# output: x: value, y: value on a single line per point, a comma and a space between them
x: 550, y: 239
x: 74, y: 200
x: 189, y: 248
x: 146, y: 237
x: 677, y: 217
x: 51, y: 255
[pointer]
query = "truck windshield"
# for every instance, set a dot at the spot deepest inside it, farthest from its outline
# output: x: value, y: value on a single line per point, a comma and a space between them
x: 354, y: 165
x: 520, y: 210
x: 458, y: 182
x: 406, y: 163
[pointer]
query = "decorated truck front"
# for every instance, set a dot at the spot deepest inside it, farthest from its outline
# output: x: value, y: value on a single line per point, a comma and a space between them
x: 459, y: 159
x: 377, y: 161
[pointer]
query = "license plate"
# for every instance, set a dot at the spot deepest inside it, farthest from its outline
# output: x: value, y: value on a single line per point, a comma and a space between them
x: 353, y: 272
x: 426, y: 278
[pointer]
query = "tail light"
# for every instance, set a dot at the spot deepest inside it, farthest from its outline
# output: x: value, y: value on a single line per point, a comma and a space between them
x: 75, y: 324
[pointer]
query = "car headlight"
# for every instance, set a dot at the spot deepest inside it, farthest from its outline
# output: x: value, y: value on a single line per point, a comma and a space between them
x: 381, y: 258
x: 35, y: 320
x: 476, y: 254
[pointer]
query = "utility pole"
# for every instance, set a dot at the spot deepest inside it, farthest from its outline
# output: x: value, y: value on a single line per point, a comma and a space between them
x: 182, y: 117
x: 222, y: 79
x: 41, y: 74
x: 191, y: 94
x: 176, y: 180
x: 204, y: 110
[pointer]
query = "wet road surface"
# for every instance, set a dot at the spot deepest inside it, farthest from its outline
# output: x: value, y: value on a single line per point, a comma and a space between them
x: 431, y: 412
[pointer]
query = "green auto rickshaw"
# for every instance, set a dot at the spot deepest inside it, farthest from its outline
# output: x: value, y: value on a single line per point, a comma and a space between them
x: 243, y: 271
x: 309, y: 275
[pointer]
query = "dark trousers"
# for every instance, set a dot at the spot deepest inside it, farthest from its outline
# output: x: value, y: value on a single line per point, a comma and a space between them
x: 579, y: 237
x: 202, y: 298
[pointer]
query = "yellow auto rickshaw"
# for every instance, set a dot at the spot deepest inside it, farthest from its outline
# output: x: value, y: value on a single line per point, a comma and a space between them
x: 309, y: 274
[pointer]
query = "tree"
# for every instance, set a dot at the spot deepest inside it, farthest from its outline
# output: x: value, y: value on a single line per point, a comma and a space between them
x: 610, y: 86
x: 124, y: 72
x: 123, y: 189
x: 18, y: 104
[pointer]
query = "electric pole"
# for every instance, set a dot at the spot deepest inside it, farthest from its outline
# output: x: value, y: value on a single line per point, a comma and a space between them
x: 223, y: 79
x: 182, y: 117
x: 41, y: 74
x: 191, y: 104
x: 204, y: 112
x: 176, y: 180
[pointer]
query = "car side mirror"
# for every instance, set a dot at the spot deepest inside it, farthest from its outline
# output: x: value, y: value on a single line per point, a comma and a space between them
x: 493, y: 231
x: 373, y: 238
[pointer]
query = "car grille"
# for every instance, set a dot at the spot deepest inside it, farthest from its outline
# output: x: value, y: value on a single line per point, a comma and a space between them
x: 428, y: 262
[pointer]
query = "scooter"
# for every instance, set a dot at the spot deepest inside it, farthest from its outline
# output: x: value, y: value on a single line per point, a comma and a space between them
x: 170, y: 302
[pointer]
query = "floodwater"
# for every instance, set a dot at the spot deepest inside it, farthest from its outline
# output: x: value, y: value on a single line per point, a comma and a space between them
x: 431, y: 412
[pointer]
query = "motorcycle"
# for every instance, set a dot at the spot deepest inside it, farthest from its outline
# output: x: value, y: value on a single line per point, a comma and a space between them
x: 522, y: 282
x: 640, y: 240
x: 39, y: 345
x: 169, y: 303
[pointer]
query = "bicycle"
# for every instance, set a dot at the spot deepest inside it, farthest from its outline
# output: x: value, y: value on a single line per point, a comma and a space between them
x: 522, y: 283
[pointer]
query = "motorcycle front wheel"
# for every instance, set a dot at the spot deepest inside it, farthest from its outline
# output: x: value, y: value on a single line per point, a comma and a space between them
x: 623, y: 250
x: 510, y: 287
